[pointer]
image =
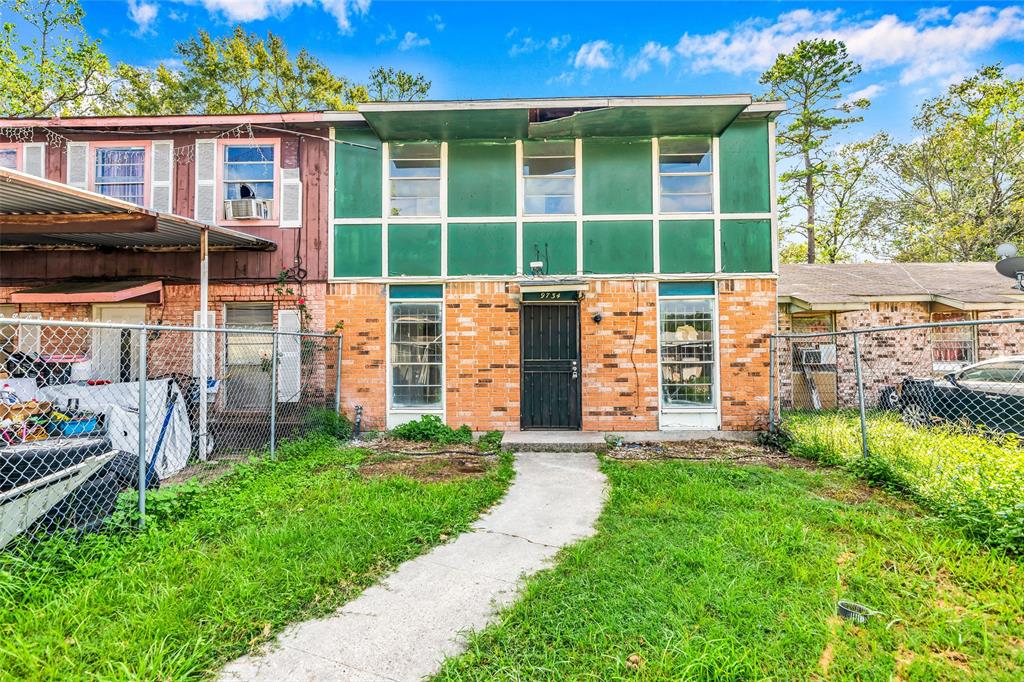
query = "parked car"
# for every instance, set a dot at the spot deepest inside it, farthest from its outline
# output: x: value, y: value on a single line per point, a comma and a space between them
x: 987, y: 394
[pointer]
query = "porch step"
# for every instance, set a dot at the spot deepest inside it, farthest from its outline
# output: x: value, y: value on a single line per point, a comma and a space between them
x: 589, y: 441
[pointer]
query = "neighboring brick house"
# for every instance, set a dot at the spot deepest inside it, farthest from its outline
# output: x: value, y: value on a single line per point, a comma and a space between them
x: 848, y: 296
x: 602, y: 264
x: 264, y: 175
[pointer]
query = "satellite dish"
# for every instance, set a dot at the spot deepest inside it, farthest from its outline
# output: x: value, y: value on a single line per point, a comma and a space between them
x: 1009, y: 267
x: 1006, y: 250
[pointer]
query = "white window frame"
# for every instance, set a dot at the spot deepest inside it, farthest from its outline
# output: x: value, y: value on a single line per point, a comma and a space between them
x: 711, y: 174
x: 401, y: 414
x: 146, y: 183
x: 19, y: 156
x: 952, y: 365
x: 220, y: 181
x: 677, y: 418
x: 576, y: 178
x: 441, y: 181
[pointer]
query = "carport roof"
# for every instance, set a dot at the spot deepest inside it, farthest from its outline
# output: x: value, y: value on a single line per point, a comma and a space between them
x: 854, y: 286
x: 41, y: 214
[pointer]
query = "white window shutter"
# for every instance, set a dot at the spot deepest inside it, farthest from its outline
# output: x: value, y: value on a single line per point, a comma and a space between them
x: 206, y: 181
x: 78, y: 164
x: 29, y: 334
x: 163, y: 176
x: 34, y: 154
x: 291, y: 198
x: 289, y: 378
x: 211, y: 343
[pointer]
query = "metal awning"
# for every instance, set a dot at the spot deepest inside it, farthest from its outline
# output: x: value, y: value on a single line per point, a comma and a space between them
x: 36, y: 213
x: 105, y: 291
x: 561, y: 117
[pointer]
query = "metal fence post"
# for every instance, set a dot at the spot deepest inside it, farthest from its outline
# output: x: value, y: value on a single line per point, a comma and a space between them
x: 771, y: 383
x: 143, y: 371
x: 337, y: 377
x: 273, y: 395
x: 860, y: 395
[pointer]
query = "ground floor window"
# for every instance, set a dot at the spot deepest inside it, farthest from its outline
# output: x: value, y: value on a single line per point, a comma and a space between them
x: 952, y: 347
x: 248, y: 356
x: 416, y: 351
x: 686, y: 349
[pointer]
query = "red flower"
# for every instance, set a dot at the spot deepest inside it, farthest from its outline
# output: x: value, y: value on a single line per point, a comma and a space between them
x: 302, y: 301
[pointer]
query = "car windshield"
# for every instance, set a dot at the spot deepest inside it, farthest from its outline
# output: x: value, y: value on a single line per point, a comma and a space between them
x: 997, y: 372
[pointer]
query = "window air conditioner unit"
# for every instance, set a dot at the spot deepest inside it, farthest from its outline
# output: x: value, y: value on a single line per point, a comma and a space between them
x: 248, y: 209
x: 824, y: 354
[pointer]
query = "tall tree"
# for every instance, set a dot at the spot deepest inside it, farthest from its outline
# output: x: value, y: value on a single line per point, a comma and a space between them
x: 236, y: 74
x: 957, y: 190
x: 394, y: 85
x: 52, y: 69
x: 851, y: 207
x: 811, y: 78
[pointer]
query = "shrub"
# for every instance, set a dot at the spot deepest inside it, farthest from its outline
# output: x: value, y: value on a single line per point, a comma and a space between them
x: 330, y: 423
x: 430, y: 428
x: 490, y: 441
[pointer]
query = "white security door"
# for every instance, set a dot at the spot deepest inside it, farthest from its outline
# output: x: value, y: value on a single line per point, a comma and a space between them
x: 115, y: 352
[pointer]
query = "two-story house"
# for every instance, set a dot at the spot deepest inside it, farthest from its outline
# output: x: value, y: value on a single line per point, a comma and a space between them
x: 602, y: 264
x: 265, y: 176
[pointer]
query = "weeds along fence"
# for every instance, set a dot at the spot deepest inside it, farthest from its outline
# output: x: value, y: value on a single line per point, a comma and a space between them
x: 81, y: 401
x: 936, y: 409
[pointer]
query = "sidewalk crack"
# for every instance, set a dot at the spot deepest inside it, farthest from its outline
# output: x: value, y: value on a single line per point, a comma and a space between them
x: 519, y: 537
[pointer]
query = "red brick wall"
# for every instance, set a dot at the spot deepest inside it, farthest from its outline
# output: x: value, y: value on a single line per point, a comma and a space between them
x: 482, y: 355
x: 362, y: 309
x: 620, y: 356
x: 746, y: 319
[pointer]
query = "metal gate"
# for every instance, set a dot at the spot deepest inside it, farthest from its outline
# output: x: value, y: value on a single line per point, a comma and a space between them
x: 551, y: 366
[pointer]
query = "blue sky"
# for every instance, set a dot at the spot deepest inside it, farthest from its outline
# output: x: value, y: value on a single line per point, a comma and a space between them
x: 910, y: 50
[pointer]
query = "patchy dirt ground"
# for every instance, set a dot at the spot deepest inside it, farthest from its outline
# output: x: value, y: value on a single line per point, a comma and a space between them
x: 387, y: 445
x: 204, y: 472
x: 709, y: 450
x: 429, y: 468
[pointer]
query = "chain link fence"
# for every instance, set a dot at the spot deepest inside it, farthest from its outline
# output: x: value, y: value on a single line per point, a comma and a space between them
x: 79, y: 401
x: 935, y: 409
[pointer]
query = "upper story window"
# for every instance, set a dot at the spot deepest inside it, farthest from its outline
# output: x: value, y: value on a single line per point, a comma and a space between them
x: 549, y: 178
x: 120, y: 173
x: 415, y: 178
x: 9, y: 159
x: 248, y: 176
x: 685, y: 167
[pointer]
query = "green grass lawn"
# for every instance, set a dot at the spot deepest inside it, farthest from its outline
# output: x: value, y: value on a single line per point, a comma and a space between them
x: 222, y: 566
x: 975, y: 480
x: 724, y: 572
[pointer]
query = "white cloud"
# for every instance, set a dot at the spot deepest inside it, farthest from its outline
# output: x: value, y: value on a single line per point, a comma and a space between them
x: 596, y: 54
x: 412, y: 40
x: 254, y: 10
x: 143, y: 14
x: 437, y: 21
x: 1014, y: 71
x: 640, y: 63
x: 387, y: 35
x: 870, y: 92
x: 935, y: 44
x: 530, y: 44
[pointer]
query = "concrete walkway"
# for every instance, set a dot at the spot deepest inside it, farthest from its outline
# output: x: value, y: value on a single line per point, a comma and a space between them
x: 404, y: 627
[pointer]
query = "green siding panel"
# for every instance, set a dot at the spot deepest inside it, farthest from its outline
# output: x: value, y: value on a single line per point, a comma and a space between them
x: 357, y: 175
x: 481, y: 179
x: 686, y: 289
x: 414, y: 250
x: 687, y: 245
x: 745, y: 174
x: 553, y: 243
x: 746, y: 246
x: 481, y: 249
x: 357, y: 250
x: 416, y: 291
x: 618, y: 246
x: 617, y: 177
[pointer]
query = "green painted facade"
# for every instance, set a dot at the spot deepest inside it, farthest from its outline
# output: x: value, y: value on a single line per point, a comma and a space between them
x: 687, y: 246
x: 481, y: 179
x: 617, y: 179
x: 414, y: 250
x: 614, y: 246
x: 552, y: 243
x: 746, y: 246
x: 482, y: 249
